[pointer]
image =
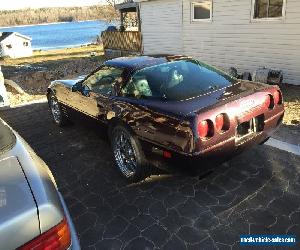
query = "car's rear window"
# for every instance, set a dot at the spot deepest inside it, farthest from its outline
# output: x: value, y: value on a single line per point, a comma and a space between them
x: 7, y: 137
x: 178, y: 80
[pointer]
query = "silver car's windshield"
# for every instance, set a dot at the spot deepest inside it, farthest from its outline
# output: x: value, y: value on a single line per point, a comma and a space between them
x: 7, y: 137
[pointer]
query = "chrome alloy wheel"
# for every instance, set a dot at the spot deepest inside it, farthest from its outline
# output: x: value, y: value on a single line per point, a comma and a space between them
x: 55, y: 109
x: 124, y: 153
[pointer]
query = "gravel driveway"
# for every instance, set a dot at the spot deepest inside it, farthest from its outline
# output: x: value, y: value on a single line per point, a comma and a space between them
x: 257, y: 192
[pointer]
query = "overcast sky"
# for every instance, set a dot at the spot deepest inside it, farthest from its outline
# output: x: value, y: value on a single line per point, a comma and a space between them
x: 19, y: 4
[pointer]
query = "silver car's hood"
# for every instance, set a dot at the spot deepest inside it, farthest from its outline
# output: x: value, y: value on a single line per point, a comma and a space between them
x: 18, y: 211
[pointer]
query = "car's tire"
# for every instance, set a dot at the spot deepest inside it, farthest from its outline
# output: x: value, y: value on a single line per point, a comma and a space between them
x: 128, y: 154
x: 59, y: 116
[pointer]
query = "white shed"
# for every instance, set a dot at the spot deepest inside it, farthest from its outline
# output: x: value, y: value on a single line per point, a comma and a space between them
x: 246, y: 34
x: 14, y: 45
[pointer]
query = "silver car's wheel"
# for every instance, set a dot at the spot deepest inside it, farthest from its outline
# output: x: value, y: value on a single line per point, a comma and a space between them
x: 55, y: 109
x: 124, y: 153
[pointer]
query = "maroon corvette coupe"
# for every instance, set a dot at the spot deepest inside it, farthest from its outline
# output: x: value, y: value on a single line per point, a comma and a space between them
x: 169, y: 107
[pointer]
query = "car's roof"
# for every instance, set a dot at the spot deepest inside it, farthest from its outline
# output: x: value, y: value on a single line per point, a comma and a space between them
x: 140, y: 62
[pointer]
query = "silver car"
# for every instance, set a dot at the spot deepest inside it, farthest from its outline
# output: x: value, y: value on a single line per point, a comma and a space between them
x: 33, y: 214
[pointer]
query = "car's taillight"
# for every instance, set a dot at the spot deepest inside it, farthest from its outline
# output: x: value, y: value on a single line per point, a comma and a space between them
x: 167, y: 154
x: 57, y: 238
x: 222, y: 123
x: 205, y: 129
x: 269, y: 102
x: 277, y: 97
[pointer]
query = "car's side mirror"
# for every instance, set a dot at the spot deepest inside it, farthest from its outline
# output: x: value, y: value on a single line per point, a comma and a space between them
x: 85, y: 90
x: 77, y: 87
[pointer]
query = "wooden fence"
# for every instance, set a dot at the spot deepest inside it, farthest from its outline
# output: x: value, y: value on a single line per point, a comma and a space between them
x: 130, y: 41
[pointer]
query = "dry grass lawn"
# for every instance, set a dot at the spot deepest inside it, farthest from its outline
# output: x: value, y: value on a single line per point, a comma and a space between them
x: 41, y: 56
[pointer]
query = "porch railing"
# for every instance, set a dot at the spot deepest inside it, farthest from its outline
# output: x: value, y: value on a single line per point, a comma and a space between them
x: 127, y: 41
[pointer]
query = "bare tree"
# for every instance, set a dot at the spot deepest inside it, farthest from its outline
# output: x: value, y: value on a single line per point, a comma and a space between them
x: 112, y: 2
x: 112, y: 6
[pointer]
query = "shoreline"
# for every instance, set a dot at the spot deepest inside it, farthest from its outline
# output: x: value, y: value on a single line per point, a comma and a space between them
x: 63, y: 47
x: 44, y: 24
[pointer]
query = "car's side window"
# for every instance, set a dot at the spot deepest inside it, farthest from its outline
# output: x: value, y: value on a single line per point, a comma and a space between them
x: 138, y: 86
x: 103, y: 80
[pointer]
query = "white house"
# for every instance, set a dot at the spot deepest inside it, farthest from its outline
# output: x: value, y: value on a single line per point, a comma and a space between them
x: 14, y: 45
x: 245, y: 34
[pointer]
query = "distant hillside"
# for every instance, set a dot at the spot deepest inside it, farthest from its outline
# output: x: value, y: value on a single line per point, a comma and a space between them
x: 51, y: 15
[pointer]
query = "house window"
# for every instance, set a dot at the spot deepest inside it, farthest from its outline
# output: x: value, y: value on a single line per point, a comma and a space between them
x: 8, y: 46
x: 268, y: 8
x: 25, y: 44
x: 201, y: 11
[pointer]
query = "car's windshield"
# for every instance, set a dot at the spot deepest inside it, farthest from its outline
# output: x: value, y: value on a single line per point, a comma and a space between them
x: 7, y: 138
x: 178, y: 80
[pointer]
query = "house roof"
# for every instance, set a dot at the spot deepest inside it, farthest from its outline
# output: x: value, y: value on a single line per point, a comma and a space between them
x: 127, y: 6
x: 5, y: 35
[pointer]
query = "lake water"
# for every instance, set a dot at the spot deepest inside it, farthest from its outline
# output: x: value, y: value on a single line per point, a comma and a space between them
x: 60, y: 35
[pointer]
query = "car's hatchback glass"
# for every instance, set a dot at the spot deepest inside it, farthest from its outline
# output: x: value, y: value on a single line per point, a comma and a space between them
x: 178, y: 80
x: 7, y: 138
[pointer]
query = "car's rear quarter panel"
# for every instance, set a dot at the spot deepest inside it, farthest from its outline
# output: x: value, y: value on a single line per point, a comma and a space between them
x: 19, y: 221
x: 158, y: 128
x: 41, y: 181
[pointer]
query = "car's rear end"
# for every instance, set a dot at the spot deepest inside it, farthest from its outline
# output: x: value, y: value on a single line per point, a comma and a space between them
x: 33, y: 214
x: 238, y: 121
x: 206, y: 112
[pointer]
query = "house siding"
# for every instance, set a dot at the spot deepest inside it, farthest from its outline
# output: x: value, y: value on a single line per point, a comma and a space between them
x: 161, y: 26
x: 231, y: 39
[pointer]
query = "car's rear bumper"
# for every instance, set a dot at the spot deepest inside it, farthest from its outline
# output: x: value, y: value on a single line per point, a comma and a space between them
x: 230, y: 146
x: 75, y: 242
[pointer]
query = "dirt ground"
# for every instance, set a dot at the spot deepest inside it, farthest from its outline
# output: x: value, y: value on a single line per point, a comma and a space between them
x: 34, y: 74
x: 19, y: 99
x: 291, y: 96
